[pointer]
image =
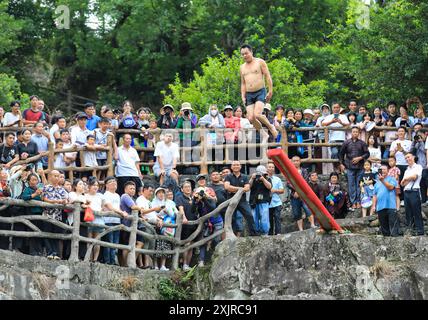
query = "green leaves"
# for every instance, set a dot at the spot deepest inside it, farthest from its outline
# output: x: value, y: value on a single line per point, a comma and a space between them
x: 219, y: 83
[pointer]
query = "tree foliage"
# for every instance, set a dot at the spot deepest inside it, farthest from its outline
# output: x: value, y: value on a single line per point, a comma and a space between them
x: 117, y: 49
x: 219, y: 82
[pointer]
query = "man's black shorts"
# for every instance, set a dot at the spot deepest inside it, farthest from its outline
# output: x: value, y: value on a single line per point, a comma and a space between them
x: 253, y: 97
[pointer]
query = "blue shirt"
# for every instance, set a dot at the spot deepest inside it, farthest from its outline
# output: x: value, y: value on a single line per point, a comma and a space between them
x: 126, y: 203
x: 276, y: 184
x: 42, y: 145
x: 91, y: 123
x: 385, y: 197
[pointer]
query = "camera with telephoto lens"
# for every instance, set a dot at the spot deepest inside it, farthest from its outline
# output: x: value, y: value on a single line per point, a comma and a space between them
x: 258, y: 176
x: 186, y: 113
x: 202, y: 193
x: 417, y: 138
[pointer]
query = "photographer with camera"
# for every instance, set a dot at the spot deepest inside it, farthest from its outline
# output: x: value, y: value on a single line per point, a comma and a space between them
x: 203, y: 203
x: 384, y: 203
x: 260, y: 198
x: 418, y: 147
x: 187, y: 120
x: 167, y: 118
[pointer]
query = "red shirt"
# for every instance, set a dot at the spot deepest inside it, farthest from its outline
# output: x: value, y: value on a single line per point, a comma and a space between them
x: 233, y: 123
x: 30, y: 115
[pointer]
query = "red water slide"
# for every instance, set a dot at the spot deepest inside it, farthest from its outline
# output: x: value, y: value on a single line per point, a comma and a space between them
x: 284, y: 164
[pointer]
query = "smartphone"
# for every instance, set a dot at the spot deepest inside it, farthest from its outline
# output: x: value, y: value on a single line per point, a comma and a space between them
x: 162, y: 207
x: 336, y: 115
x: 40, y: 186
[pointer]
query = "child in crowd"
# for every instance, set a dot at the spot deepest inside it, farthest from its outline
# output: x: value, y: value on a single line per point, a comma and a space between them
x: 59, y: 161
x: 114, y: 123
x: 388, y: 136
x: 367, y: 188
x: 101, y: 136
x: 143, y: 118
x: 395, y: 172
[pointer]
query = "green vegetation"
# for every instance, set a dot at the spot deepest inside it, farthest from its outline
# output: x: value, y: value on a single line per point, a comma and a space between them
x: 178, y: 287
x: 173, y: 50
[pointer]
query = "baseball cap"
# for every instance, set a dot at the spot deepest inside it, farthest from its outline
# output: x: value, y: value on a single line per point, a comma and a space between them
x: 200, y: 176
x: 227, y: 107
x: 81, y: 115
x: 261, y: 169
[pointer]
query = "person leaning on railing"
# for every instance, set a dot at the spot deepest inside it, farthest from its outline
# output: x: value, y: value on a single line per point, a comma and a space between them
x: 112, y: 203
x: 55, y: 194
x: 128, y: 205
x: 34, y: 191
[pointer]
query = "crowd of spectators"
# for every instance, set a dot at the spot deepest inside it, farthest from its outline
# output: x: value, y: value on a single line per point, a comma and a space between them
x: 373, y: 185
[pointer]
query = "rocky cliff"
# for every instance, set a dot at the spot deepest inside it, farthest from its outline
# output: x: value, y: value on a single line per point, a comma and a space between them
x: 306, y: 265
x: 25, y: 277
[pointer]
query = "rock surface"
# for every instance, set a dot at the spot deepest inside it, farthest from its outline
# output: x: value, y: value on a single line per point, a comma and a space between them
x: 25, y: 277
x: 305, y: 265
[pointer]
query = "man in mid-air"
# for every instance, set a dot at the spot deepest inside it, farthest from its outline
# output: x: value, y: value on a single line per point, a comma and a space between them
x: 253, y: 91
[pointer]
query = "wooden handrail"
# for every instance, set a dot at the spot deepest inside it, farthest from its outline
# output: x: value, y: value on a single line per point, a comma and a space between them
x: 75, y: 237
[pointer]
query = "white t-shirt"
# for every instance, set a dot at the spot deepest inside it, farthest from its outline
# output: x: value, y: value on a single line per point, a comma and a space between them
x: 97, y: 202
x: 334, y: 134
x: 101, y: 139
x: 126, y: 163
x: 78, y: 136
x: 412, y: 170
x: 114, y: 199
x: 52, y: 130
x: 377, y: 154
x: 90, y: 158
x: 74, y: 197
x: 142, y: 202
x: 59, y: 161
x: 167, y: 152
x: 69, y: 154
x: 399, y: 156
x: 10, y: 118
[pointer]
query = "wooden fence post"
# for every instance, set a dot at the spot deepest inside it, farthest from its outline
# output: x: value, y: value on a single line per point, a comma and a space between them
x: 229, y: 213
x: 284, y: 140
x: 326, y: 137
x: 132, y: 241
x: 176, y: 257
x: 51, y: 157
x: 110, y: 171
x: 203, y: 151
x: 74, y: 254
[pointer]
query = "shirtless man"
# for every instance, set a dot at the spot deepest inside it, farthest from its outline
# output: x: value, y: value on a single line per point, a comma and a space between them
x: 253, y: 90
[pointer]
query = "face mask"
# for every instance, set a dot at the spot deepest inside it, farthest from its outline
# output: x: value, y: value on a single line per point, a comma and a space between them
x: 326, y: 113
x: 214, y: 113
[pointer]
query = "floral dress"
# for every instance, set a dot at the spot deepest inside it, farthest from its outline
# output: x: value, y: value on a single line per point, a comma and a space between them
x: 54, y: 193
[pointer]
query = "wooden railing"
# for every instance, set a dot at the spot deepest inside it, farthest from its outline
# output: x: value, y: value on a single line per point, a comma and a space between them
x: 201, y: 150
x: 180, y: 246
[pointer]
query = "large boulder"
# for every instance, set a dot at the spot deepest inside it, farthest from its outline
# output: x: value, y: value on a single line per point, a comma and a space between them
x: 306, y: 265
